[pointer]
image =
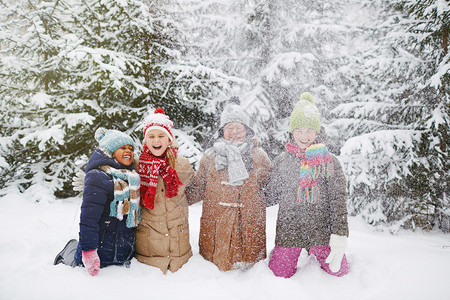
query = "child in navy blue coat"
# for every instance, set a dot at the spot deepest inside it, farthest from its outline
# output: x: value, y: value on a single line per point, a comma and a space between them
x: 110, y: 209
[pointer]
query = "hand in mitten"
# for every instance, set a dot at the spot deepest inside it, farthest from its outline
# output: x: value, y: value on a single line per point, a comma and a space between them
x: 91, y: 261
x: 338, y: 243
x: 78, y: 181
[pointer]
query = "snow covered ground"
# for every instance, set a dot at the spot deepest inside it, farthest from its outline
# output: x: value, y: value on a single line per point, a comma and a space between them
x: 405, y: 266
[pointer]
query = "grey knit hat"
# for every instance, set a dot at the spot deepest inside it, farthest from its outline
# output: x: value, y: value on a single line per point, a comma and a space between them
x: 233, y: 112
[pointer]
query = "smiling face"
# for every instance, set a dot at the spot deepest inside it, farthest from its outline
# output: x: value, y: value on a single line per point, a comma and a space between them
x: 124, y: 155
x: 157, y: 142
x: 304, y: 137
x: 234, y: 132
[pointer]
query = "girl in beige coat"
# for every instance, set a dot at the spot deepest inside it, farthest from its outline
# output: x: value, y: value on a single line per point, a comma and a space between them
x: 162, y: 237
x: 229, y: 180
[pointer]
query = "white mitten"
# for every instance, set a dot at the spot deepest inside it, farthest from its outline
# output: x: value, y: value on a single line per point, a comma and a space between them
x: 338, y: 243
x: 78, y: 181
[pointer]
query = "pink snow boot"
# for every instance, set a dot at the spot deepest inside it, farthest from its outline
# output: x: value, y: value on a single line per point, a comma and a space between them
x: 321, y: 253
x: 284, y: 261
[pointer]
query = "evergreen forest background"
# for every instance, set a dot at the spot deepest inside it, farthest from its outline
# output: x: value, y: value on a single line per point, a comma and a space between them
x: 379, y: 70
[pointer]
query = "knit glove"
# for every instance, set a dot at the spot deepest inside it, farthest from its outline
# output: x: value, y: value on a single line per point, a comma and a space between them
x: 78, y: 181
x: 338, y: 243
x: 91, y: 261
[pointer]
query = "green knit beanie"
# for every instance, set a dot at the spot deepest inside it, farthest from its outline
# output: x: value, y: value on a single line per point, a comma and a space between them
x: 305, y: 114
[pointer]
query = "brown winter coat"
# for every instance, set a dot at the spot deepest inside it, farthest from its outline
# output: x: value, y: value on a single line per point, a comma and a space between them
x: 235, y: 233
x: 162, y: 237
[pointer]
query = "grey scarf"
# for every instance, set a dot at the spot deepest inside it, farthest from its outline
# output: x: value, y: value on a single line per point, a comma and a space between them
x: 230, y: 155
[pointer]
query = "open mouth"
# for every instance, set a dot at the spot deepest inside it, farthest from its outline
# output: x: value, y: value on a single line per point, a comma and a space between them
x: 156, y: 147
x: 127, y: 157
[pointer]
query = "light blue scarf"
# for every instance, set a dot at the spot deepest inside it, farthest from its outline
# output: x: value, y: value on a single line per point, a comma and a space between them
x: 126, y: 195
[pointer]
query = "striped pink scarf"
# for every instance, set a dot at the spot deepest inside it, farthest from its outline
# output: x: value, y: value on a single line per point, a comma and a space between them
x: 316, y: 162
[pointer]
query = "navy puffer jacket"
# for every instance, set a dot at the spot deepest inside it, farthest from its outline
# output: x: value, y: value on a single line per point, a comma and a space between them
x: 111, y: 237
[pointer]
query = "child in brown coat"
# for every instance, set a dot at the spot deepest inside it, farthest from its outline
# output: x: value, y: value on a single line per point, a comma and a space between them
x: 229, y: 180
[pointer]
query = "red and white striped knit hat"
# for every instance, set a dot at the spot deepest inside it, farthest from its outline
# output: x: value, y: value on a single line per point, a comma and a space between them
x: 159, y: 120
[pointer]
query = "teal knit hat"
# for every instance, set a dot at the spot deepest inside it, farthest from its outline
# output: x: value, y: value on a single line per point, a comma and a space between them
x: 111, y: 140
x: 305, y: 114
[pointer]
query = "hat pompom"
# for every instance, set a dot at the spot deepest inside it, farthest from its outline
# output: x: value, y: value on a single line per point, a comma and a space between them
x: 307, y: 96
x: 235, y: 100
x: 159, y: 110
x: 100, y: 133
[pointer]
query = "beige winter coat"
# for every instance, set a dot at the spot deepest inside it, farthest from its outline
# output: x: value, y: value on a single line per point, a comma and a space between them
x: 233, y: 222
x: 162, y: 237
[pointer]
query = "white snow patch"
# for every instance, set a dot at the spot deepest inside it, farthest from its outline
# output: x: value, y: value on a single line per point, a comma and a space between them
x: 383, y: 266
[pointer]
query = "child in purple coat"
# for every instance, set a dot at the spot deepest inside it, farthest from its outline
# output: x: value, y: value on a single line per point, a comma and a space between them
x: 110, y: 209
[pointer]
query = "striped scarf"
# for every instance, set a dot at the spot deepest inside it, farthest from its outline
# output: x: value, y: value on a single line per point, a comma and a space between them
x: 316, y: 162
x: 150, y: 167
x: 126, y: 195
